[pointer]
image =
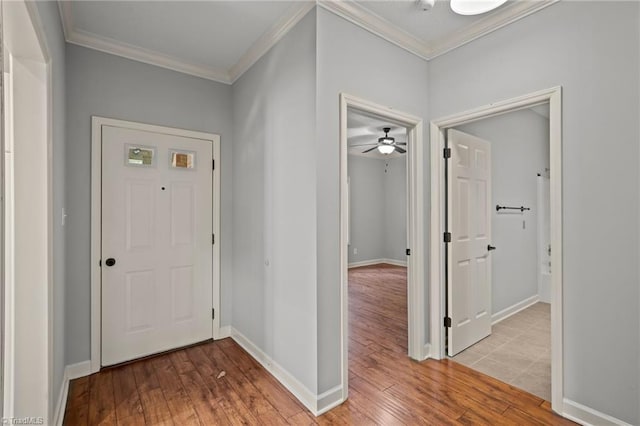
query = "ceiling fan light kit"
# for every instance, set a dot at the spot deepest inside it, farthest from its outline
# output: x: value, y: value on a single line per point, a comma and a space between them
x: 387, y: 144
x: 475, y: 7
x: 386, y: 149
x: 387, y: 140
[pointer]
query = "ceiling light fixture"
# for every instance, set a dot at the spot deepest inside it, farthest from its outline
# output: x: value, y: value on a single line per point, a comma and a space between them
x: 386, y: 149
x: 386, y: 143
x: 475, y: 7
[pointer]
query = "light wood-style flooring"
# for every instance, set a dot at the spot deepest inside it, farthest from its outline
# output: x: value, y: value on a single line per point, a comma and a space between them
x: 186, y: 387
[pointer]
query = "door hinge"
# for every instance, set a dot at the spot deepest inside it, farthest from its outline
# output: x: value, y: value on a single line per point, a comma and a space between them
x: 447, y: 322
x: 213, y: 313
x: 447, y: 153
x: 213, y: 238
x: 447, y: 237
x: 213, y: 164
x: 408, y: 252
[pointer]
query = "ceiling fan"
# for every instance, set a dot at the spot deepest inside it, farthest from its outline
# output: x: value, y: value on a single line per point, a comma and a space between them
x: 386, y: 144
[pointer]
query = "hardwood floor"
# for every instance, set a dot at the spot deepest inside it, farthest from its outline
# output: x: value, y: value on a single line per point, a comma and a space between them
x: 385, y: 387
x: 183, y: 388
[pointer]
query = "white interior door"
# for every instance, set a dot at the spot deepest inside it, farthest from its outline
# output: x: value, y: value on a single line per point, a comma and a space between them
x: 156, y: 242
x: 469, y: 262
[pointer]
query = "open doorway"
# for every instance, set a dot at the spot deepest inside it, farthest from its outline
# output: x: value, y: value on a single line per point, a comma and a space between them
x: 377, y: 282
x: 498, y: 295
x: 442, y: 258
x: 416, y: 346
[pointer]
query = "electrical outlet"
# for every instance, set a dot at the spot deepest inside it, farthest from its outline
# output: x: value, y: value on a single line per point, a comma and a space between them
x: 355, y: 250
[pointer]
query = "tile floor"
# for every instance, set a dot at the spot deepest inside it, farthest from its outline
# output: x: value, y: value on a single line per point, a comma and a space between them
x: 518, y: 351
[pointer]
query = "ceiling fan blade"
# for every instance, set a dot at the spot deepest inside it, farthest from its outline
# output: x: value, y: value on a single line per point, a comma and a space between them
x: 401, y: 143
x: 363, y: 144
x: 400, y: 150
x: 370, y: 149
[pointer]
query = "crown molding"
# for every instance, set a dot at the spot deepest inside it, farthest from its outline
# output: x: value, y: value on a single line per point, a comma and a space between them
x: 293, y: 15
x: 501, y: 18
x: 381, y: 27
x: 64, y: 7
x: 353, y: 12
x: 108, y: 45
x: 349, y: 10
x: 137, y: 53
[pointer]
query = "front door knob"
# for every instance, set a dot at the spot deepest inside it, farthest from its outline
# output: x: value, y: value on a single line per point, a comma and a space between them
x: 110, y: 261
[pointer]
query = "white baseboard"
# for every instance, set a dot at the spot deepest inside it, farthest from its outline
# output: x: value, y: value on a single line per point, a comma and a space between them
x: 514, y: 309
x: 328, y: 400
x: 223, y: 332
x: 71, y: 372
x: 395, y: 262
x: 588, y: 416
x: 80, y: 369
x: 377, y: 262
x: 317, y: 404
x: 61, y: 405
x: 426, y: 352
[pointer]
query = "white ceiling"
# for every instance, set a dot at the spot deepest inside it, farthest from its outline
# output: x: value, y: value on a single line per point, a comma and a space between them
x: 213, y: 34
x: 221, y: 39
x: 217, y: 40
x: 364, y: 129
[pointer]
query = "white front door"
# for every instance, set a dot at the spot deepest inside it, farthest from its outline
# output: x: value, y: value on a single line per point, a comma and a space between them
x: 469, y: 262
x: 156, y: 242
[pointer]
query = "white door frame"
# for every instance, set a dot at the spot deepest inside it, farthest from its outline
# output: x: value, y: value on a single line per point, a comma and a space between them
x: 553, y: 97
x: 28, y: 216
x: 415, y: 231
x: 96, y: 221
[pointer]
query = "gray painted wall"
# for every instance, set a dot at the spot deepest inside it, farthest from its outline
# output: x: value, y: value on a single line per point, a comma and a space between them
x: 349, y: 60
x: 395, y: 208
x: 377, y: 208
x: 274, y: 204
x: 519, y: 151
x: 366, y: 209
x: 50, y: 18
x: 114, y: 87
x: 592, y: 50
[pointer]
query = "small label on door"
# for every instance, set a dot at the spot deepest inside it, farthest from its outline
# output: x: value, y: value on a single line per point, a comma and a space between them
x: 139, y: 156
x: 183, y: 159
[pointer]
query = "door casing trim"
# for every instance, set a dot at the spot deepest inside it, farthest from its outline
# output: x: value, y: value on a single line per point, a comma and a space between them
x: 96, y: 221
x: 41, y: 189
x: 553, y: 97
